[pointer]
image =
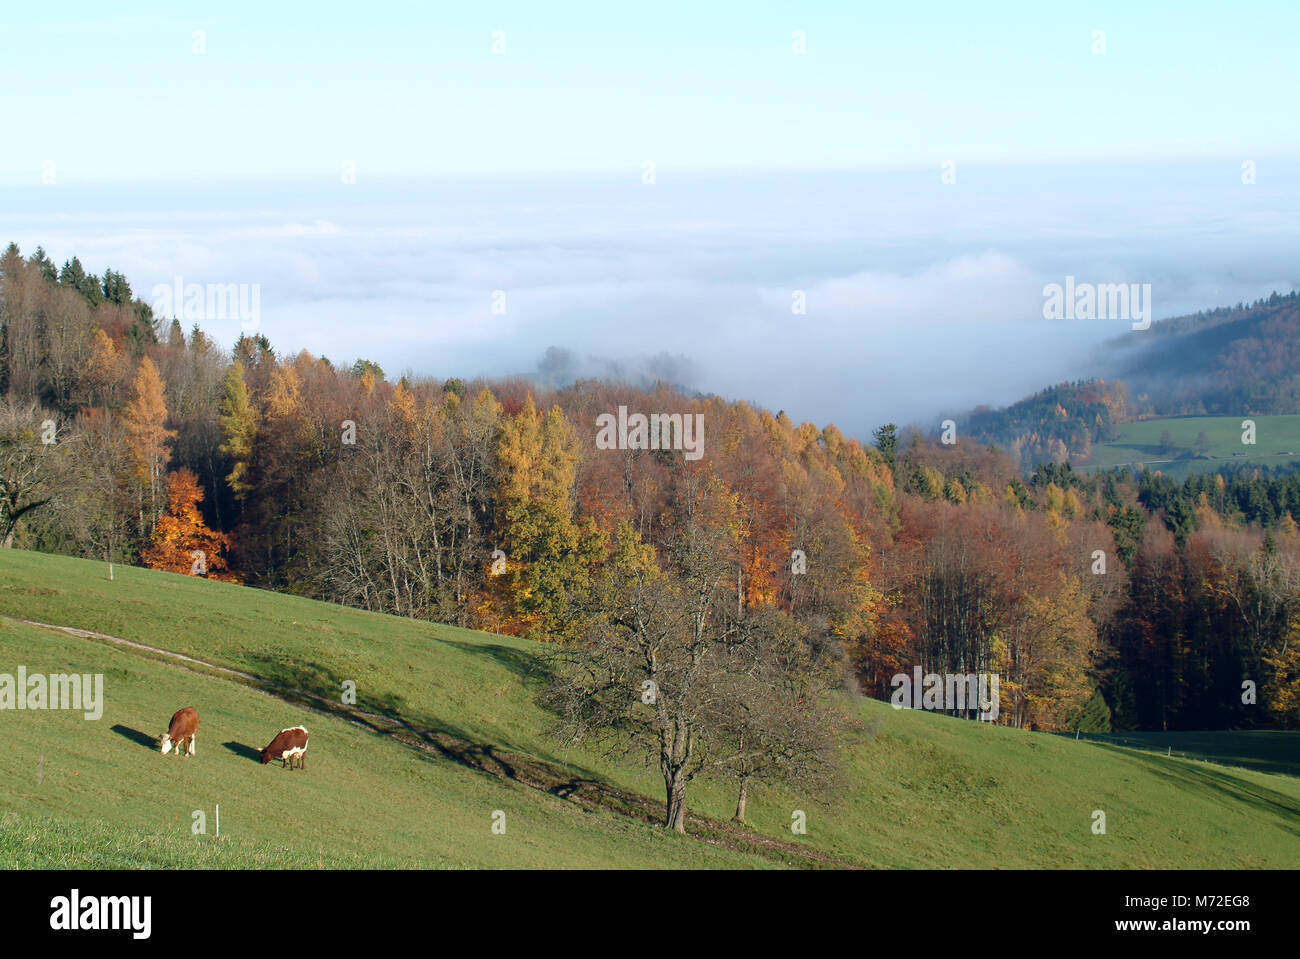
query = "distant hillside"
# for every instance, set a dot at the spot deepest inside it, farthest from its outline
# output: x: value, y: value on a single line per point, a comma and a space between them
x: 1230, y: 361
x: 1233, y: 361
x: 1060, y: 423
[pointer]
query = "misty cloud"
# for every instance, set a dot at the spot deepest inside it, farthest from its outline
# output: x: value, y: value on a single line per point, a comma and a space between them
x: 922, y: 300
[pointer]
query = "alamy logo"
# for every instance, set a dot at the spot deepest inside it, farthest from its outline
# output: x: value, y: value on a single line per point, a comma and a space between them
x: 104, y: 913
x: 658, y: 431
x: 1093, y: 301
x: 55, y: 691
x: 947, y: 692
x: 199, y: 302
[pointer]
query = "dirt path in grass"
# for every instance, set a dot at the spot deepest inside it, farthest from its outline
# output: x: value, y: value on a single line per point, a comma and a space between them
x: 486, y: 758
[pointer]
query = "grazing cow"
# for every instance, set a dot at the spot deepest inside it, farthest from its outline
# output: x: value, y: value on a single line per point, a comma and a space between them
x: 181, y: 732
x: 288, y: 745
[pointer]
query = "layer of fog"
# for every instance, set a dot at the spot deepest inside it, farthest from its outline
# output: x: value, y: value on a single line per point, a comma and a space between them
x: 923, y: 299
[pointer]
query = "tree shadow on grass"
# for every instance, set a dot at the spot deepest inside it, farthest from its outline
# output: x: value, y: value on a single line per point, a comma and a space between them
x: 137, y: 737
x: 316, y: 688
x: 1215, y: 785
x: 528, y: 667
x: 298, y: 677
x: 244, y: 752
x: 1264, y: 751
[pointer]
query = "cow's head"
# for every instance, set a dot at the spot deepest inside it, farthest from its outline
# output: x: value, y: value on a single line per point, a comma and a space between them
x: 166, y: 743
x: 266, y: 756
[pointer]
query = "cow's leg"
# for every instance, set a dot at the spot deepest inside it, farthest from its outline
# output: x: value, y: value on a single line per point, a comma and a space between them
x: 193, y: 739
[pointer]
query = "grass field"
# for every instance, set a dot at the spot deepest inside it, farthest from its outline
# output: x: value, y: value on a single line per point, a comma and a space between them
x: 455, y: 735
x: 1277, y: 443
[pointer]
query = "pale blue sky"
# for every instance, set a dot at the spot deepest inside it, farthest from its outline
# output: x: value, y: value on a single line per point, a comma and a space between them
x: 112, y: 91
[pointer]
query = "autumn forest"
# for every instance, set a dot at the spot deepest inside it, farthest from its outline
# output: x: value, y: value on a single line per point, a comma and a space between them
x: 1114, y: 601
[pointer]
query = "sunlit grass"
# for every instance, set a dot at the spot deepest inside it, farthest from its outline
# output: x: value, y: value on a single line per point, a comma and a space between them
x: 919, y: 790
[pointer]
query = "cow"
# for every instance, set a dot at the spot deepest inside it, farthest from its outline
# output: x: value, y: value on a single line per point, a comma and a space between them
x: 288, y: 745
x: 181, y: 732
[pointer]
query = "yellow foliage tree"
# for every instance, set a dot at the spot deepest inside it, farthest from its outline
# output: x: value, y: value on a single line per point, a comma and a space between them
x: 1282, y: 688
x: 145, y: 416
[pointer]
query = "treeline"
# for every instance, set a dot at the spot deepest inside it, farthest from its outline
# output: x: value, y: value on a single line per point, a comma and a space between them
x: 784, y: 556
x: 1266, y: 498
x: 50, y: 342
x: 1057, y: 425
x: 1206, y: 628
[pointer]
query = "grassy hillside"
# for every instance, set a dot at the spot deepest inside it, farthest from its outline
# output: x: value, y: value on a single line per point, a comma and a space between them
x: 363, y: 800
x: 454, y: 733
x: 1277, y: 443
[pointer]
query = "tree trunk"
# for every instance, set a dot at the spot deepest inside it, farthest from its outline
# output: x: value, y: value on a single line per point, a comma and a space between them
x: 742, y: 799
x: 675, y: 818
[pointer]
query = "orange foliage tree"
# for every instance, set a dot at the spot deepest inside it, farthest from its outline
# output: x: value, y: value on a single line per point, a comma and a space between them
x: 182, y: 542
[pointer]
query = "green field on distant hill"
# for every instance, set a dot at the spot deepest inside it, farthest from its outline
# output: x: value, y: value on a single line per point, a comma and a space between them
x: 1277, y: 443
x: 453, y: 734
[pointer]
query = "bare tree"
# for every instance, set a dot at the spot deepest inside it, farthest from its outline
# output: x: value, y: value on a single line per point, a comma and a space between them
x: 668, y: 665
x: 1262, y: 581
x: 651, y: 667
x: 773, y: 720
x: 30, y: 462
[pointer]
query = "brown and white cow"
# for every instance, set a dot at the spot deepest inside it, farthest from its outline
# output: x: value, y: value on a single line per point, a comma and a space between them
x: 288, y: 745
x: 181, y: 732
